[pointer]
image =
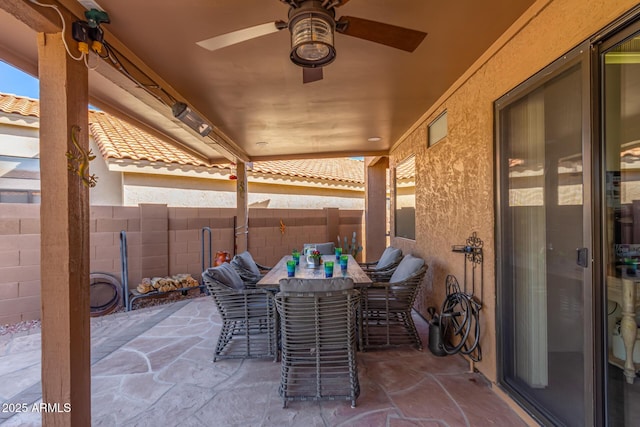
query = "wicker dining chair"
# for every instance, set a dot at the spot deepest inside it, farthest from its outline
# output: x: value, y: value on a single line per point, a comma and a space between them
x: 386, y: 307
x: 382, y: 269
x: 249, y: 318
x: 318, y: 339
x: 250, y: 271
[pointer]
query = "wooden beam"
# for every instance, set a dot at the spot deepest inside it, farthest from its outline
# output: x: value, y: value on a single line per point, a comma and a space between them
x: 64, y: 215
x: 139, y: 71
x: 372, y: 161
x: 375, y: 202
x: 242, y: 209
x: 328, y: 155
x: 45, y: 19
x: 41, y: 19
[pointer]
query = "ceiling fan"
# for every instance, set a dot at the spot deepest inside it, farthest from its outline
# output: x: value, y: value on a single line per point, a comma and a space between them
x: 312, y: 24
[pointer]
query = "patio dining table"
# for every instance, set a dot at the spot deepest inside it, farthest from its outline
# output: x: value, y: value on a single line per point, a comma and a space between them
x: 271, y: 280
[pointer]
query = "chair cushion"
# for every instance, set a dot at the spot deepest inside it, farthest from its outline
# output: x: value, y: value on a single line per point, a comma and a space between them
x: 227, y: 275
x: 389, y: 257
x: 296, y: 284
x: 407, y: 267
x: 245, y: 261
x: 328, y: 248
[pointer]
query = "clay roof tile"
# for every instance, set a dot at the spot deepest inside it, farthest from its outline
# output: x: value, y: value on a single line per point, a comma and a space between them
x: 120, y: 140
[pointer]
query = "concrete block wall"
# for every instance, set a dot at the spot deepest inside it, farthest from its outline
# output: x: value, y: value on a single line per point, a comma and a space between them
x: 106, y: 223
x: 154, y: 240
x: 350, y: 221
x: 186, y: 236
x: 19, y: 263
x: 161, y: 241
x: 275, y: 232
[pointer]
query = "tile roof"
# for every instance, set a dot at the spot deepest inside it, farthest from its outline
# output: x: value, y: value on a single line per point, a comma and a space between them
x: 119, y: 140
x: 406, y: 169
x: 12, y: 104
x: 339, y: 169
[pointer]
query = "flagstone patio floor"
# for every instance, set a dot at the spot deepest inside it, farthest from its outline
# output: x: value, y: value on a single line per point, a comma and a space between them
x: 153, y: 367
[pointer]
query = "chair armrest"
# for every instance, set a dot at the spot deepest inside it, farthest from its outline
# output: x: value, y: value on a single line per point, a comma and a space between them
x: 414, y: 280
x: 247, y: 276
x: 368, y: 265
x: 247, y: 292
x: 380, y: 276
x: 253, y: 291
x: 380, y: 285
x: 216, y: 288
x: 263, y: 267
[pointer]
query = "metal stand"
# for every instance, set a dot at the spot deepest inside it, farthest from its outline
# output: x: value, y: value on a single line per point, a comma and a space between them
x: 473, y: 258
x: 208, y: 231
x: 124, y: 269
x: 129, y: 296
x: 460, y: 316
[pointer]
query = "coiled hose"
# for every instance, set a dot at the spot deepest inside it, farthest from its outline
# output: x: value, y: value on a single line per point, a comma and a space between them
x: 460, y: 322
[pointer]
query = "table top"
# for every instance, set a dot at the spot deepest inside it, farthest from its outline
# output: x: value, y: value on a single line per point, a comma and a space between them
x: 279, y: 271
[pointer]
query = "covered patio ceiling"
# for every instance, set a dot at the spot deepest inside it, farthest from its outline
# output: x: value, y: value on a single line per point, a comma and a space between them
x: 251, y: 92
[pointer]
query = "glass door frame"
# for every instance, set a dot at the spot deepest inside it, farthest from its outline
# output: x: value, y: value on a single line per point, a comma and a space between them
x: 610, y: 37
x: 579, y: 55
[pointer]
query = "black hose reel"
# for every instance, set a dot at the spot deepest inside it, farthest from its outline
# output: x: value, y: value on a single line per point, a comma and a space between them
x: 457, y: 328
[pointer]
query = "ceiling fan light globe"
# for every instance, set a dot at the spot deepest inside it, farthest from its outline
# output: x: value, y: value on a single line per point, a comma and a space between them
x: 312, y: 51
x: 312, y: 40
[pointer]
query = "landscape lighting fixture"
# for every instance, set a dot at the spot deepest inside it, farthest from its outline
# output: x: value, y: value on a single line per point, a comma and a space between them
x: 190, y: 118
x: 312, y: 28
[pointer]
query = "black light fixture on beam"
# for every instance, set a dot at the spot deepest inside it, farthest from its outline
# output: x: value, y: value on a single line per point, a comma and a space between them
x: 191, y: 118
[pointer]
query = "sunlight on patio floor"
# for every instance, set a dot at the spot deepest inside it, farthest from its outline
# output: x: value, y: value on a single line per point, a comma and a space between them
x: 153, y: 367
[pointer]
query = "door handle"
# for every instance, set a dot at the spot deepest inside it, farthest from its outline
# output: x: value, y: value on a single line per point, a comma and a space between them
x: 583, y: 257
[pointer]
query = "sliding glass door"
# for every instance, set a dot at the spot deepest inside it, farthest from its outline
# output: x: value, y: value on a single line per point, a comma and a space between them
x: 544, y: 262
x: 569, y: 331
x: 620, y: 69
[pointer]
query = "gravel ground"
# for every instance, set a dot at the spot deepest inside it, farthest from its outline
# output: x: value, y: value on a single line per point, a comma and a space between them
x: 25, y: 326
x: 33, y: 326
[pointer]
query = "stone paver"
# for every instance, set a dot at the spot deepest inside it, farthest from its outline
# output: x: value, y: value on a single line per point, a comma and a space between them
x: 153, y: 367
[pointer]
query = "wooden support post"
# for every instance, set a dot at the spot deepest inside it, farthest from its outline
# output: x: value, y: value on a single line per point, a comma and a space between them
x: 64, y: 215
x: 375, y: 200
x: 242, y: 228
x: 333, y: 226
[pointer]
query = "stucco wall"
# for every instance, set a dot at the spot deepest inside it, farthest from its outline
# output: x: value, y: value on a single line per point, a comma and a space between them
x: 19, y: 138
x: 178, y: 191
x: 454, y: 182
x: 298, y: 196
x: 201, y: 192
x: 108, y: 191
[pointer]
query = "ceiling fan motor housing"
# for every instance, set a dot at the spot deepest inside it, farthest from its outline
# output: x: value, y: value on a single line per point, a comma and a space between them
x: 312, y: 29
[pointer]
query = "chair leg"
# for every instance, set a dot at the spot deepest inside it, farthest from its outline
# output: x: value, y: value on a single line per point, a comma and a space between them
x: 223, y: 339
x: 276, y: 344
x: 412, y: 330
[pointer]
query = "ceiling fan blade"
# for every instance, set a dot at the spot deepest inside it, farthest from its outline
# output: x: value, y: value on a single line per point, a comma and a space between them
x: 239, y: 36
x: 310, y: 75
x: 389, y: 35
